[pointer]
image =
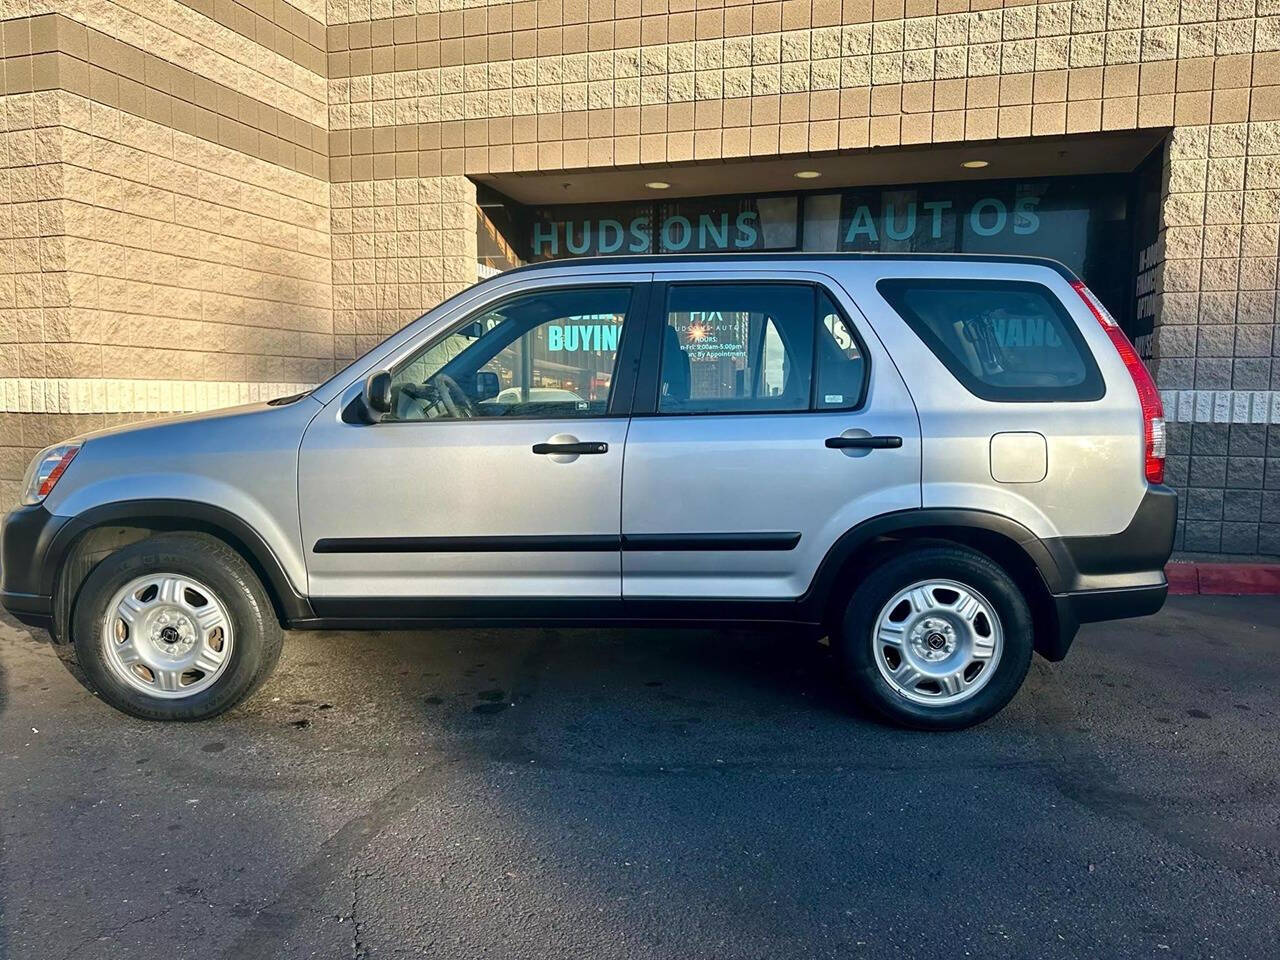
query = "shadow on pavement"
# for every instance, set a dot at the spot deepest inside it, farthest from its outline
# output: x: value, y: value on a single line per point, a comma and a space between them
x: 656, y: 793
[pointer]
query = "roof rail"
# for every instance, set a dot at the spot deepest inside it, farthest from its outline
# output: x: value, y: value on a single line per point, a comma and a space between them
x: 659, y: 259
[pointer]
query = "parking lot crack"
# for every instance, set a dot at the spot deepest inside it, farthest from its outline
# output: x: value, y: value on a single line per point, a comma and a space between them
x: 277, y: 919
x: 113, y: 932
x: 358, y: 949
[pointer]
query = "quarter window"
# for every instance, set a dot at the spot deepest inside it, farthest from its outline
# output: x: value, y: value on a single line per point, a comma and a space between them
x: 842, y: 367
x: 549, y: 354
x: 1003, y: 339
x: 757, y: 348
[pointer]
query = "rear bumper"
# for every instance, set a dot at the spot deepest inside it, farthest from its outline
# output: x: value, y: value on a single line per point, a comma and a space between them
x: 1112, y: 577
x: 1134, y: 557
x: 1092, y: 606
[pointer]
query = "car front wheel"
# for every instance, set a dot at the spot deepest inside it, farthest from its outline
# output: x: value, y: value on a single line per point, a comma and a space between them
x: 939, y: 637
x: 175, y: 627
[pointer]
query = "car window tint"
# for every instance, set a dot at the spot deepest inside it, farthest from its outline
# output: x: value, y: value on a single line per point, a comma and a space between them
x: 547, y: 354
x: 731, y: 348
x: 1003, y: 339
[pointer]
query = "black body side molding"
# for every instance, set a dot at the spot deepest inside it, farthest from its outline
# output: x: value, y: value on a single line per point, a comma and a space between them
x: 571, y: 543
x: 633, y: 542
x: 589, y: 543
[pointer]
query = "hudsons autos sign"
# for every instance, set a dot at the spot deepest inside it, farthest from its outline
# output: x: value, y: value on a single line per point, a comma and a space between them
x: 1082, y: 221
x: 1048, y: 216
x: 865, y: 226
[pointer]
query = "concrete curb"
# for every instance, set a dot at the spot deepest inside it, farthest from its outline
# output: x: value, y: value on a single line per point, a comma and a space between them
x: 1223, y: 579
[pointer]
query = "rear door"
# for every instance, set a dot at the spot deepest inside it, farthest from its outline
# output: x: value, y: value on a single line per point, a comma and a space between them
x: 768, y: 421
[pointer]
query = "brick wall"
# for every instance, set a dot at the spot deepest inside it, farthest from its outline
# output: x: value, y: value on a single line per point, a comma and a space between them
x: 399, y: 245
x: 1217, y: 346
x: 165, y: 244
x: 1227, y: 475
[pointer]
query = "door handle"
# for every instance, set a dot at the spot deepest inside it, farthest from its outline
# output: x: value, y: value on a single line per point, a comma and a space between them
x: 572, y: 449
x: 864, y: 443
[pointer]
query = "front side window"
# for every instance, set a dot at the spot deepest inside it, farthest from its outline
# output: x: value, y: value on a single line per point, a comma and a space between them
x: 1008, y: 340
x: 546, y: 355
x: 757, y: 348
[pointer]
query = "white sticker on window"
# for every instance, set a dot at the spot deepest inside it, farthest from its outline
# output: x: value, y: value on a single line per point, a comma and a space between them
x: 834, y: 398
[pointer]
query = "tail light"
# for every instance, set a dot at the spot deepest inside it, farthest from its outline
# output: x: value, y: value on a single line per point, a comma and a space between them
x: 1153, y: 427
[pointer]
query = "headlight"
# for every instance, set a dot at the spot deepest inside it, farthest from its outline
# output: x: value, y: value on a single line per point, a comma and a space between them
x: 45, y: 470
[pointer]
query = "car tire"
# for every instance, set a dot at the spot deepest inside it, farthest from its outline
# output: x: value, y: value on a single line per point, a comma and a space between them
x: 175, y: 627
x: 936, y: 637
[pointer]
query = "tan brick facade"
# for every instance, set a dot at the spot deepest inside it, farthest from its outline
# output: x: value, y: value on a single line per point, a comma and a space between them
x: 166, y: 228
x: 249, y: 192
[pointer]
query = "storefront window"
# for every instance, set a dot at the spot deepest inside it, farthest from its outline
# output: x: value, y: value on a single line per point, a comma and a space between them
x: 1063, y: 218
x: 1084, y: 222
x: 1080, y: 221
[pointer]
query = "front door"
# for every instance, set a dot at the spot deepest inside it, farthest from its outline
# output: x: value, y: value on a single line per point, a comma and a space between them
x: 497, y: 473
x: 770, y: 424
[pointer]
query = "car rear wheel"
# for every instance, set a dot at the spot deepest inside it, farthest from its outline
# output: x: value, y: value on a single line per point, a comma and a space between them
x: 938, y: 637
x: 175, y: 627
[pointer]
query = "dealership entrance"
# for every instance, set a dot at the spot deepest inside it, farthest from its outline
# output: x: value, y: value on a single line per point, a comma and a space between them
x: 1091, y: 203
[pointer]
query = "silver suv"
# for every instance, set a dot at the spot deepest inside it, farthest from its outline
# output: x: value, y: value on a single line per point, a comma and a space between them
x: 941, y: 463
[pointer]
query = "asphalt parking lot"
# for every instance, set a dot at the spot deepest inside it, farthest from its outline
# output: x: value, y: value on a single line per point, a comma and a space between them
x: 648, y: 793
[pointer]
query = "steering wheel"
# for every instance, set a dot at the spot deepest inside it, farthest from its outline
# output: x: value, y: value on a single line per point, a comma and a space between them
x: 442, y: 391
x: 455, y: 401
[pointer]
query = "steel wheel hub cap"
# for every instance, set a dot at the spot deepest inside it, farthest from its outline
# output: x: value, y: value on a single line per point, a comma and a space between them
x: 937, y: 642
x: 167, y: 635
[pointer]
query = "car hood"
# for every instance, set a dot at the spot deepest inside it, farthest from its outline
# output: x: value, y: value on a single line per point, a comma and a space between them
x: 245, y: 413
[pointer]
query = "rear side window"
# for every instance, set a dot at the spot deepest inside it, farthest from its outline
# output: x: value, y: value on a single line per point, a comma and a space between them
x: 757, y: 348
x: 1007, y: 340
x: 840, y: 361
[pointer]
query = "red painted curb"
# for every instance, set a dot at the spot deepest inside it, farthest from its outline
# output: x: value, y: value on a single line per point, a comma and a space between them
x: 1184, y: 579
x: 1224, y: 579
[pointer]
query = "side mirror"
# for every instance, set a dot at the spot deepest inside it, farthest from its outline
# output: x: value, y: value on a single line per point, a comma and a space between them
x: 377, y: 395
x: 487, y: 385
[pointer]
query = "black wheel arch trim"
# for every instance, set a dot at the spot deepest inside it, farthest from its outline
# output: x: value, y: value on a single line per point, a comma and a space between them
x: 178, y: 515
x: 1133, y: 557
x: 916, y: 521
x: 1086, y: 579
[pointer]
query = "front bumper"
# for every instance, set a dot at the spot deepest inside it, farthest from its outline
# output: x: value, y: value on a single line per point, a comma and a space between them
x: 30, y: 608
x: 26, y: 580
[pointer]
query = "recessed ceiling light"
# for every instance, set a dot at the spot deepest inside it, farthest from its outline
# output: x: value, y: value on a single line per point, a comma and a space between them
x: 806, y: 174
x: 657, y: 184
x: 975, y: 164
